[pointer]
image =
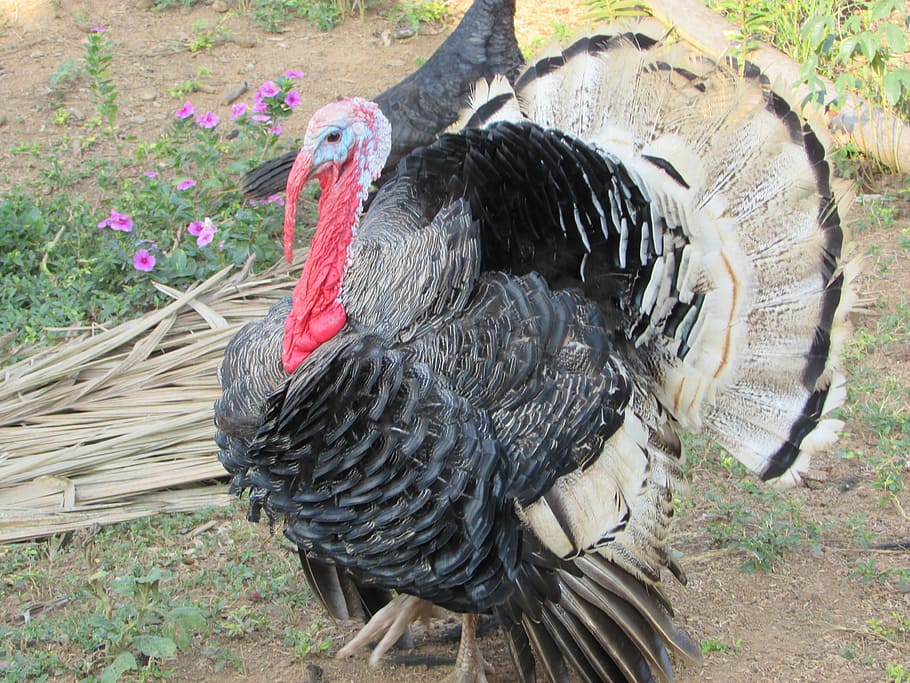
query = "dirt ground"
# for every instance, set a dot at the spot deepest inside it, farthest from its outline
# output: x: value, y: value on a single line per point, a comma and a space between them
x: 807, y: 620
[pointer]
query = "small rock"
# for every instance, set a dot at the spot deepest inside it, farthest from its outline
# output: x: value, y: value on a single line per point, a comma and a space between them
x: 235, y: 92
x: 139, y: 120
x: 147, y: 95
x: 37, y: 54
x: 313, y: 674
x: 3, y: 119
x: 222, y: 5
x: 244, y: 41
x: 144, y: 4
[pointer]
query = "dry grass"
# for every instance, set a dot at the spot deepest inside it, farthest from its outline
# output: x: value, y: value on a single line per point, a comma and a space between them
x: 118, y: 425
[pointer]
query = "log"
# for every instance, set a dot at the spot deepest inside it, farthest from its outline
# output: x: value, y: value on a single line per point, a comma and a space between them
x: 873, y: 131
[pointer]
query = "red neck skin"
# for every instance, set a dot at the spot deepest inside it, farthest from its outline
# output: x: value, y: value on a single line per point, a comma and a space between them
x: 316, y: 314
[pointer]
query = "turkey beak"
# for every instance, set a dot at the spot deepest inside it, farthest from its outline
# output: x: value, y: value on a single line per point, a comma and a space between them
x: 298, y: 177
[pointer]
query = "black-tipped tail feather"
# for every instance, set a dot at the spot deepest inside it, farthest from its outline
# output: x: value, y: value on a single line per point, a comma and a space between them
x: 605, y: 624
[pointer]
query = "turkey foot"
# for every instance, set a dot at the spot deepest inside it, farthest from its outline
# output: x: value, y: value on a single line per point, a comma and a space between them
x: 394, y: 620
x: 470, y: 666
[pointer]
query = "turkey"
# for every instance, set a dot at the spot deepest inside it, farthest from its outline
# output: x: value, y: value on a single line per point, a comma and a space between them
x: 475, y: 394
x: 428, y: 101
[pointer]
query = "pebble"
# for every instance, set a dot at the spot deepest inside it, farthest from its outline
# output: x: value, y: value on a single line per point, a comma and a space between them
x: 147, y: 95
x: 221, y: 6
x: 37, y: 54
x: 244, y: 41
x: 3, y: 119
x: 235, y: 92
x: 314, y: 674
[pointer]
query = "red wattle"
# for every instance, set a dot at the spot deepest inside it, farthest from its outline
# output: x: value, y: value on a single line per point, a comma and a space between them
x: 297, y: 178
x: 316, y: 315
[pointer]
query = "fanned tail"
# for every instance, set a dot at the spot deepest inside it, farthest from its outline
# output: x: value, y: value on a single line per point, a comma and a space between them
x: 743, y: 285
x: 725, y: 223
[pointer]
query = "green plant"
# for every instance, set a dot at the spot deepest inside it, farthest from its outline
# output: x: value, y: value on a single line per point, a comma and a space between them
x: 562, y: 32
x: 67, y: 72
x: 205, y: 36
x: 99, y: 54
x: 870, y: 43
x: 184, y: 88
x: 305, y: 643
x: 716, y: 645
x: 858, y: 45
x: 867, y: 571
x: 766, y: 523
x: 272, y: 15
x: 323, y: 15
x: 169, y: 211
x: 897, y: 673
x: 61, y: 116
x: 415, y: 12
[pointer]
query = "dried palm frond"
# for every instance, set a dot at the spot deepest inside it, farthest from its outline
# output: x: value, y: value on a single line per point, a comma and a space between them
x: 118, y: 425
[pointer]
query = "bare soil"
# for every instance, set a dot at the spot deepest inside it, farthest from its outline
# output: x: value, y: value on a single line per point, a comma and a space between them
x: 806, y: 620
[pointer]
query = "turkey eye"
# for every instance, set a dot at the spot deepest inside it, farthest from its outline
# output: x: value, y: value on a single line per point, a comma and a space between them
x: 334, y: 136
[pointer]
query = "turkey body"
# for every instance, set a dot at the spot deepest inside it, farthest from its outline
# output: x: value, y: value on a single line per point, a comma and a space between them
x: 535, y: 308
x: 429, y: 100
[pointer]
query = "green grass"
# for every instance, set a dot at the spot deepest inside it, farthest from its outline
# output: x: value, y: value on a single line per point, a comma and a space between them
x: 709, y: 645
x: 140, y: 593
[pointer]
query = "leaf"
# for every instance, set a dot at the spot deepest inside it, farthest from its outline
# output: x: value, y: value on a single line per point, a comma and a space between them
x: 156, y: 647
x: 179, y: 262
x: 883, y: 8
x: 868, y: 45
x: 184, y: 622
x: 895, y: 38
x: 847, y: 47
x: 816, y: 29
x: 894, y: 84
x: 154, y: 576
x: 124, y: 662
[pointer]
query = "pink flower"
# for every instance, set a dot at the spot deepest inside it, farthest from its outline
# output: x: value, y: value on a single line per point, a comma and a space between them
x: 293, y: 73
x: 292, y: 99
x: 208, y: 120
x: 151, y: 174
x: 274, y: 130
x: 221, y: 245
x: 186, y: 184
x: 186, y: 111
x: 117, y: 221
x: 238, y: 110
x: 203, y: 231
x: 277, y: 198
x: 143, y: 260
x: 269, y: 89
x: 207, y: 233
x: 259, y: 107
x: 261, y: 117
x: 98, y: 29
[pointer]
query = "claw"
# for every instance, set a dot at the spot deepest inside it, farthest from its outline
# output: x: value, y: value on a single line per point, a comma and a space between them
x: 393, y: 620
x: 470, y: 666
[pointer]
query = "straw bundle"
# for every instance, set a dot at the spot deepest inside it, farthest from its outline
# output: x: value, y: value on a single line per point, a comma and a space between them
x: 118, y: 425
